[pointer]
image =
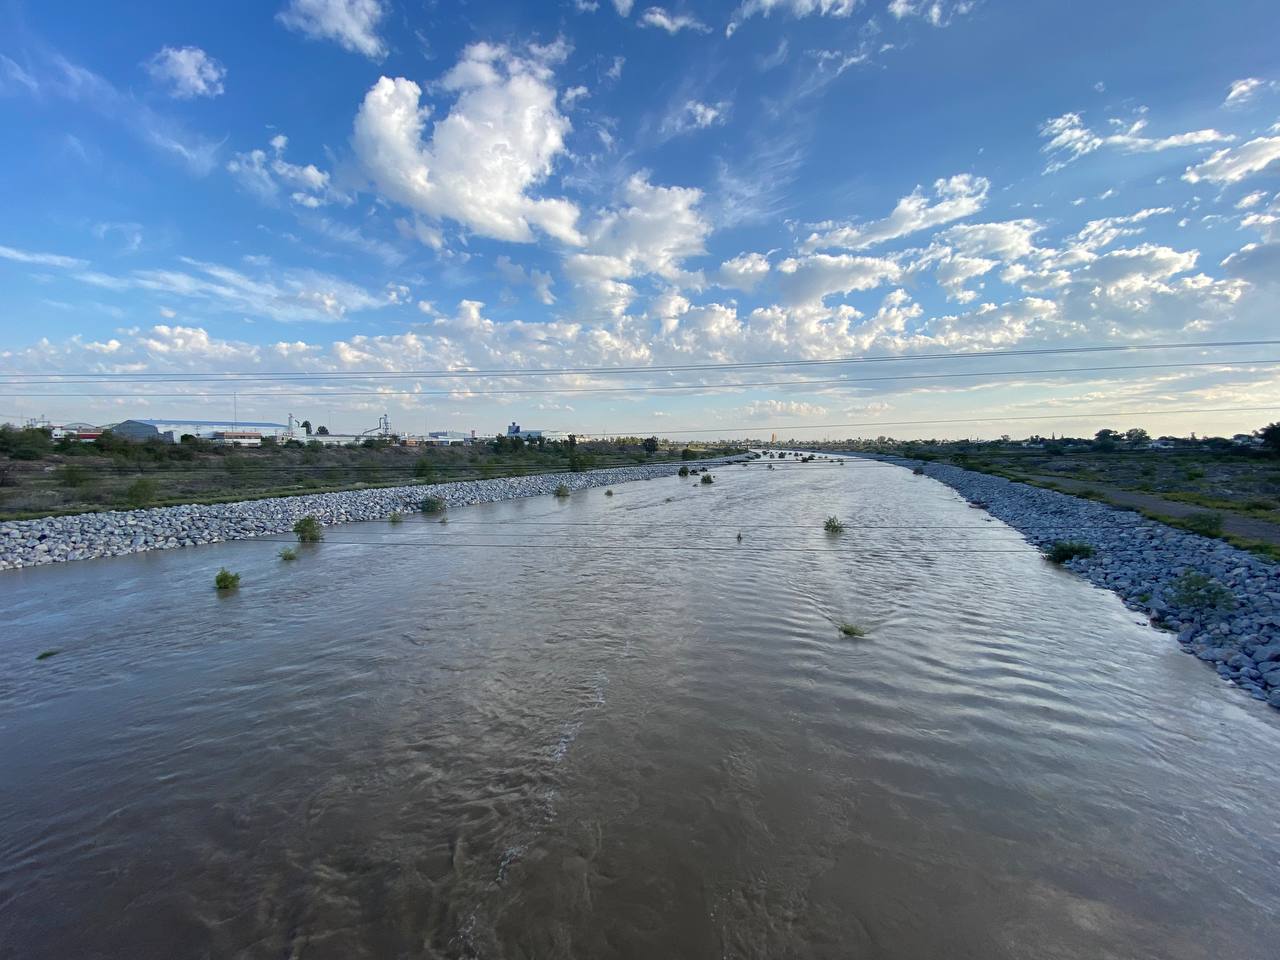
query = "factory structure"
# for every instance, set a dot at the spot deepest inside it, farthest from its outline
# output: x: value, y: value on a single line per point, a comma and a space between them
x: 252, y: 433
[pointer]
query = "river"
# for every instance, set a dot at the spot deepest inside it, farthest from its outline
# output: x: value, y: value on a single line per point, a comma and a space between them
x: 604, y: 727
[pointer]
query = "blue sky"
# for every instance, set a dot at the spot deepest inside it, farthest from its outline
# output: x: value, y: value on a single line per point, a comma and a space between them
x: 357, y: 185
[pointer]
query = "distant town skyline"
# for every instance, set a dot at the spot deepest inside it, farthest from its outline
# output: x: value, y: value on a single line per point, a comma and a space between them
x: 377, y: 191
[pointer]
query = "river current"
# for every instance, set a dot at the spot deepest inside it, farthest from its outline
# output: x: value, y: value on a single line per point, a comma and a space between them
x: 605, y: 727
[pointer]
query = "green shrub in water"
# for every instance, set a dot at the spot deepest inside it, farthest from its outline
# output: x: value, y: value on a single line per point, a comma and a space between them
x: 708, y: 478
x: 833, y: 525
x: 562, y: 491
x: 308, y: 530
x: 224, y: 579
x: 434, y: 505
x: 288, y: 553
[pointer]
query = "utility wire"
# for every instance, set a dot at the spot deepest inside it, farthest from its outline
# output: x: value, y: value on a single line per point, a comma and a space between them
x: 650, y: 388
x: 631, y: 546
x: 654, y: 368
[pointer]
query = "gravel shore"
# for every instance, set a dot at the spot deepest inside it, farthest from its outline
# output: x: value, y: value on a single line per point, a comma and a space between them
x: 1147, y: 563
x: 83, y: 536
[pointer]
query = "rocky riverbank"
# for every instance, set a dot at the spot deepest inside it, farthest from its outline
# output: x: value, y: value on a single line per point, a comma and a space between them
x: 1222, y: 603
x: 83, y: 536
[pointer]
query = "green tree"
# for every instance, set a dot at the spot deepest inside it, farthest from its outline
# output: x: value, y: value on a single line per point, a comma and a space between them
x: 1137, y: 435
x: 306, y: 425
x: 1270, y: 435
x: 651, y: 445
x: 1105, y: 440
x: 322, y: 431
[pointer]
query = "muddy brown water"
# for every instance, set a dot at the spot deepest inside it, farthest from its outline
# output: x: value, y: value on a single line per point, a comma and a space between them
x: 602, y: 727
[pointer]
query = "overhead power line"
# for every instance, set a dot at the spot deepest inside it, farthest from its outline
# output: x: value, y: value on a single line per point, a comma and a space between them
x: 1114, y: 414
x: 648, y: 388
x: 631, y: 545
x: 98, y: 376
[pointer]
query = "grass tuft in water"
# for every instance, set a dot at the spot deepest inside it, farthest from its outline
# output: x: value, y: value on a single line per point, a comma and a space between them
x: 434, y: 505
x: 852, y: 630
x: 833, y: 525
x: 562, y: 491
x: 708, y: 478
x: 396, y: 517
x: 1065, y: 550
x: 224, y: 579
x: 47, y: 654
x: 287, y: 553
x: 608, y: 493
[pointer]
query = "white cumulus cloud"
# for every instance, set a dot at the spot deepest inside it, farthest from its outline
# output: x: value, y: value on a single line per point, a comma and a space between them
x: 796, y: 8
x: 1243, y: 91
x: 188, y: 72
x: 956, y: 197
x: 268, y: 173
x: 1233, y: 164
x: 653, y: 229
x: 671, y: 22
x: 695, y: 115
x: 744, y: 272
x: 498, y: 142
x: 353, y: 24
x: 1067, y: 138
x: 813, y: 278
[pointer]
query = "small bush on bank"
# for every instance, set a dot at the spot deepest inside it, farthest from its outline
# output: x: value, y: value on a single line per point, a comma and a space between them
x: 73, y: 475
x: 434, y: 505
x: 424, y: 469
x: 287, y: 553
x: 396, y: 517
x: 833, y: 525
x: 224, y: 579
x: 562, y: 491
x: 708, y: 478
x: 1205, y: 524
x: 1065, y: 550
x: 852, y: 630
x: 141, y: 493
x: 1199, y: 591
x: 308, y: 530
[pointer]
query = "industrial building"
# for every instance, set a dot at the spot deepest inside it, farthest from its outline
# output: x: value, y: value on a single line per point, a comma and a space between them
x: 243, y: 433
x: 517, y: 431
